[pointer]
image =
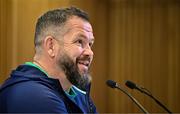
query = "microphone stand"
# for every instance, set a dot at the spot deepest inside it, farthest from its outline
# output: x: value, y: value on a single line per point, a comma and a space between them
x: 132, y: 85
x: 133, y: 99
x: 157, y: 101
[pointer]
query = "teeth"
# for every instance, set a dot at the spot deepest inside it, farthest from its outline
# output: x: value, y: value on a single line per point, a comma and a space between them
x: 84, y: 62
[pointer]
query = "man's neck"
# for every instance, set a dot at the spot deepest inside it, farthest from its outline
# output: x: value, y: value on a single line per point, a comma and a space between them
x: 55, y: 73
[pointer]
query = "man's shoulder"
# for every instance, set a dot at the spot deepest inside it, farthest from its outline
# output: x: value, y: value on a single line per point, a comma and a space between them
x: 28, y: 78
x: 32, y: 96
x: 32, y: 88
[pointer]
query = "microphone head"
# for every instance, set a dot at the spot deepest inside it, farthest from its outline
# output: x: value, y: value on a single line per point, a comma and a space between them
x: 130, y: 84
x: 111, y: 83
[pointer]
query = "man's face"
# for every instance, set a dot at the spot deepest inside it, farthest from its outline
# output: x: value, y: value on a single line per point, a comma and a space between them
x: 76, y: 55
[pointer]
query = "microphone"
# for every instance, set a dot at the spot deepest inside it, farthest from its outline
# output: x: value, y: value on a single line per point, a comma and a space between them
x: 113, y: 84
x: 132, y: 85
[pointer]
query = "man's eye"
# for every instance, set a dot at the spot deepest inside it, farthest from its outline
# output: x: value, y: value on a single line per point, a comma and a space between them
x: 79, y: 42
x: 90, y: 44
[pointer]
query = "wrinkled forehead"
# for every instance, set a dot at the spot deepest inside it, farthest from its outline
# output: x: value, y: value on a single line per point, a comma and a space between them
x: 80, y: 25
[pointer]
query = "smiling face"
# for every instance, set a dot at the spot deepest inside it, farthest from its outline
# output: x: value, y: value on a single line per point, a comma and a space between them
x: 75, y: 56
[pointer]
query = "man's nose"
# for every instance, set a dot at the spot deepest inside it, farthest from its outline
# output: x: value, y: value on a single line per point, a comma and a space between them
x: 88, y: 51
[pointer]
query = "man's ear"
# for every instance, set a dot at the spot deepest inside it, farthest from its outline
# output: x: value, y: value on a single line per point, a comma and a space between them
x: 49, y: 45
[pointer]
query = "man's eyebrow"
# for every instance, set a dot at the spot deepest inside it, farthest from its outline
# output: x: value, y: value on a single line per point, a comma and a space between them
x: 92, y: 39
x: 84, y: 36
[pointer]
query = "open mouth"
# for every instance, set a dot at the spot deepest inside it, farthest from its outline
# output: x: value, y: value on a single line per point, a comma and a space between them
x: 83, y: 65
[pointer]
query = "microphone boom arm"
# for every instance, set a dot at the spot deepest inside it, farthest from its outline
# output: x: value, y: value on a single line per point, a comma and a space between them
x: 132, y: 85
x: 157, y: 101
x: 133, y: 99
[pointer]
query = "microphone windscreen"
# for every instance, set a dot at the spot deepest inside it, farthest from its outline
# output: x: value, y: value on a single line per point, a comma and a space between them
x: 130, y: 84
x: 111, y: 83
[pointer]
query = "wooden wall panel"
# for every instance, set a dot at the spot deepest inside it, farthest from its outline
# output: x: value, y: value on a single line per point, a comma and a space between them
x: 144, y: 48
x: 4, y: 23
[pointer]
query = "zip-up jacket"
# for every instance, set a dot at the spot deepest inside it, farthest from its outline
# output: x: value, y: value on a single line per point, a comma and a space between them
x: 29, y: 90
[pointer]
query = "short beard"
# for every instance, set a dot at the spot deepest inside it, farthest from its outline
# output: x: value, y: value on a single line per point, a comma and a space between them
x: 72, y: 73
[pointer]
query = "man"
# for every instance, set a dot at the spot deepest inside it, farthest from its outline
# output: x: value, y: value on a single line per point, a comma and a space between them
x: 58, y: 79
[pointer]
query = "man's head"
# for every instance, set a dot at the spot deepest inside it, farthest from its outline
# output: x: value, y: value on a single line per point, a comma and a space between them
x: 65, y: 37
